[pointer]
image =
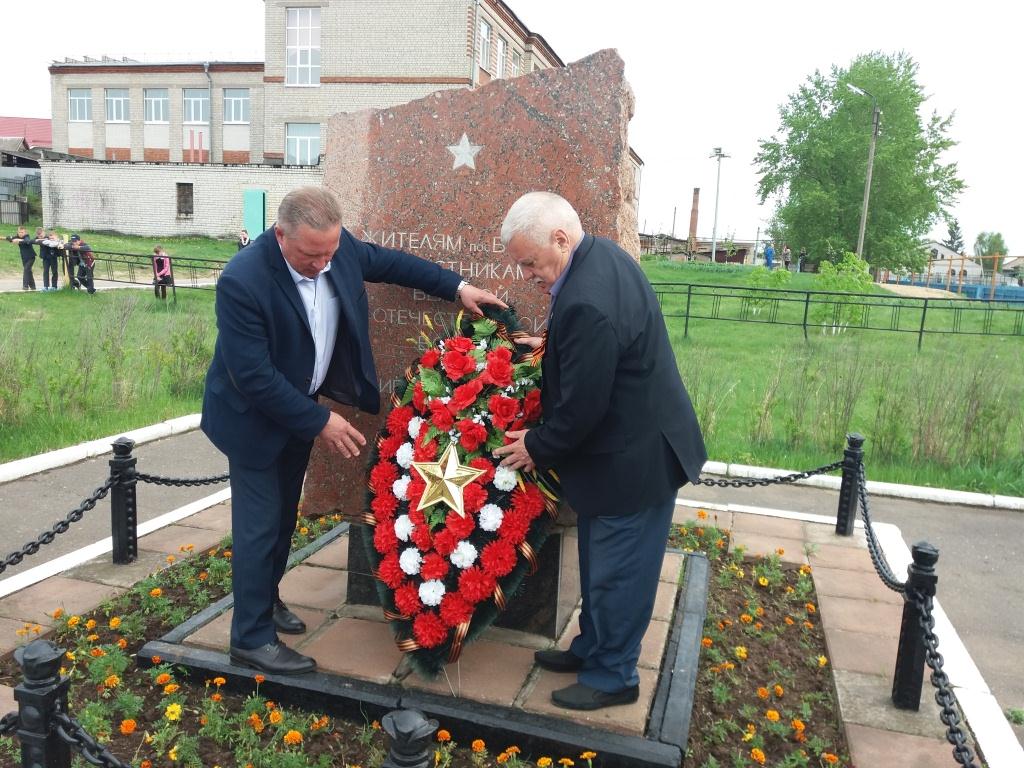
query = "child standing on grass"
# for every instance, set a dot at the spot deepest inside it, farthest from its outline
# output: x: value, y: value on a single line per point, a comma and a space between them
x: 161, y: 272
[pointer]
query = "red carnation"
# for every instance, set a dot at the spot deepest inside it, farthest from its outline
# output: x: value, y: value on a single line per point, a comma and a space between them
x: 445, y: 542
x: 459, y: 526
x: 475, y: 585
x: 421, y: 538
x: 498, y: 558
x: 503, y: 410
x: 455, y: 610
x: 530, y: 501
x: 425, y: 452
x: 464, y: 396
x: 407, y: 600
x: 430, y: 357
x: 398, y: 420
x: 462, y: 344
x: 440, y: 416
x: 485, y: 464
x: 415, y: 490
x: 390, y: 572
x: 384, y: 506
x: 384, y: 539
x: 473, y: 497
x: 416, y: 516
x: 514, y: 526
x: 499, y: 367
x: 382, y: 476
x: 531, y: 405
x: 434, y: 567
x: 457, y: 365
x: 473, y: 434
x: 419, y: 397
x: 389, y: 446
x: 429, y: 630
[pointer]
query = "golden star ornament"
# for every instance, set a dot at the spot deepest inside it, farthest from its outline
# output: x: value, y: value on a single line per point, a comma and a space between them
x: 445, y: 480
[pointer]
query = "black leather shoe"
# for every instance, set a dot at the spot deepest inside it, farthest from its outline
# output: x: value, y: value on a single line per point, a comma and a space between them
x: 558, y: 661
x: 286, y: 621
x: 273, y: 658
x: 580, y: 696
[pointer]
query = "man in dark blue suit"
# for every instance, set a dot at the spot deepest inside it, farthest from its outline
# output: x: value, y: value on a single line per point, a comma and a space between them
x: 292, y: 322
x: 619, y: 429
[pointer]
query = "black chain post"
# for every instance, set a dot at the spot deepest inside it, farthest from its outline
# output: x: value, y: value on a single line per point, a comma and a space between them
x: 410, y: 737
x: 908, y: 678
x: 124, y: 513
x: 41, y: 694
x: 853, y: 457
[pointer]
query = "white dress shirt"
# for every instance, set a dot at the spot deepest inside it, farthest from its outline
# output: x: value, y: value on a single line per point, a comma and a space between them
x: 322, y: 310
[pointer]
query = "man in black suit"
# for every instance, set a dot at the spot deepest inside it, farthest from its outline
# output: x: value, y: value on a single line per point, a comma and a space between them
x: 618, y: 428
x: 292, y: 322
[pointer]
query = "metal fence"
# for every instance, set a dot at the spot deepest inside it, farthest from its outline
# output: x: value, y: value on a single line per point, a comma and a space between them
x: 829, y: 312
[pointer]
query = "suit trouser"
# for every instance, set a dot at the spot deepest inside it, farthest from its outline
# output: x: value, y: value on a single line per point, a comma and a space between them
x: 49, y: 268
x: 264, y: 505
x: 620, y: 564
x: 28, y: 281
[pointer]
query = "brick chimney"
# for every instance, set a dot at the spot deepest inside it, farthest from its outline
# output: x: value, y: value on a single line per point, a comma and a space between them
x: 693, y: 219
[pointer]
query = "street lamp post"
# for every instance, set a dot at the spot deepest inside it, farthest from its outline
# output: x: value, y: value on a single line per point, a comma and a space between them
x: 876, y: 118
x: 718, y: 154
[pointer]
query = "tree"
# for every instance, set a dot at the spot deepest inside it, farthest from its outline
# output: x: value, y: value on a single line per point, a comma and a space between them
x: 990, y: 244
x: 955, y: 239
x: 815, y: 165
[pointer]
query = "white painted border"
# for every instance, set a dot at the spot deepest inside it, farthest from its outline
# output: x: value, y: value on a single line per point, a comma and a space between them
x: 12, y: 470
x: 85, y: 554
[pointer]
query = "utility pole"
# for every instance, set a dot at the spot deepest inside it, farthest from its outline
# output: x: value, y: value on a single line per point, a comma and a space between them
x: 876, y: 119
x: 673, y: 222
x: 718, y: 154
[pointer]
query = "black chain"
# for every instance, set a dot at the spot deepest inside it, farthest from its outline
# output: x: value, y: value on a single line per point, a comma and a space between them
x: 61, y: 526
x: 9, y: 723
x: 877, y: 556
x: 94, y: 753
x: 180, y: 481
x: 773, y: 480
x: 944, y: 695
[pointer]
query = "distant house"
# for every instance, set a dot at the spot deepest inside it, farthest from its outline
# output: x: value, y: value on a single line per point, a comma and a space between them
x: 945, y: 263
x: 36, y: 131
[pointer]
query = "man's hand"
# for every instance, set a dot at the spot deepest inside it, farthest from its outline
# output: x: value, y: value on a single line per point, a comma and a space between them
x: 472, y: 297
x: 341, y: 437
x: 515, y: 453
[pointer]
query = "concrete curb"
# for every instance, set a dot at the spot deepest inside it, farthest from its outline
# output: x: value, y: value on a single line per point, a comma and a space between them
x: 13, y: 470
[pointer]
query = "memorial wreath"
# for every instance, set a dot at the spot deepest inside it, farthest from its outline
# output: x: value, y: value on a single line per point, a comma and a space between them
x: 453, y: 532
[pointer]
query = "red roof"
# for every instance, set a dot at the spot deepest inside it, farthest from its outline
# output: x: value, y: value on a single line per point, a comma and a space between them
x: 36, y: 130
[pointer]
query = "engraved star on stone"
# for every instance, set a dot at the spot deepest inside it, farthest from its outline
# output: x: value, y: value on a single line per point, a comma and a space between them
x: 464, y: 152
x: 445, y: 480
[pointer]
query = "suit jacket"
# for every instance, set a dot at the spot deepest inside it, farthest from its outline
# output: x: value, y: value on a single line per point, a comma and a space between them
x: 618, y: 425
x: 256, y: 388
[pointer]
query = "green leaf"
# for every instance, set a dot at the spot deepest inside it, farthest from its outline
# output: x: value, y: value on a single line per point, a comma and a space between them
x: 482, y: 328
x: 433, y: 385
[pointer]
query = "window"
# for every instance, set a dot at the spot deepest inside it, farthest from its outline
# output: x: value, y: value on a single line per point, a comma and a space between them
x: 236, y: 105
x: 117, y: 105
x: 516, y: 66
x: 302, y: 144
x: 184, y: 199
x: 483, y: 46
x: 197, y: 105
x: 499, y: 67
x: 302, y: 51
x: 157, y: 106
x: 79, y: 105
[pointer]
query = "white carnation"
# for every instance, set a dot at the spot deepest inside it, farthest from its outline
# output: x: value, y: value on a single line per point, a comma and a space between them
x: 505, y: 479
x: 481, y: 365
x: 414, y: 426
x: 490, y: 517
x: 403, y: 527
x: 410, y: 560
x: 431, y: 592
x: 404, y: 455
x: 400, y: 487
x: 464, y: 555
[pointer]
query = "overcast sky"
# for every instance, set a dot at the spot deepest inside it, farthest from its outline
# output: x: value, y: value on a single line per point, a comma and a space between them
x: 705, y: 75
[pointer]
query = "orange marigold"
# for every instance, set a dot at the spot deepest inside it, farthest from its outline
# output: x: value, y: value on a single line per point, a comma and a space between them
x: 762, y: 693
x: 122, y: 643
x: 162, y: 679
x: 789, y: 621
x: 155, y: 659
x: 155, y: 592
x: 478, y: 745
x: 115, y: 622
x: 219, y: 681
x: 706, y: 642
x: 127, y: 727
x: 112, y: 681
x: 829, y: 758
x: 502, y: 758
x: 757, y: 756
x: 256, y: 722
x: 779, y: 690
x: 746, y: 618
x: 216, y: 697
x: 97, y: 653
x: 772, y: 715
x: 702, y: 515
x: 443, y: 735
x: 171, y: 688
x: 90, y: 624
x: 259, y: 679
x: 275, y: 717
x: 810, y: 607
x: 798, y: 725
x: 292, y: 738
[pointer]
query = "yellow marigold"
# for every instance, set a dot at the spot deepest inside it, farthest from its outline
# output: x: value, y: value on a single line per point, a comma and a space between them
x: 757, y: 756
x: 822, y: 661
x: 162, y: 679
x: 740, y: 652
x: 443, y: 735
x: 478, y: 745
x: 173, y: 753
x: 829, y: 758
x: 171, y: 558
x: 759, y: 611
x: 805, y: 569
x: 762, y: 580
x: 567, y: 762
x: 276, y: 717
x: 746, y: 618
x: 69, y: 656
x: 762, y: 693
x: 173, y: 712
x: 292, y: 738
x: 127, y: 727
x: 779, y: 690
x: 90, y: 624
x: 729, y: 665
x: 706, y: 642
x: 155, y: 592
x: 702, y: 515
x: 92, y: 638
x: 171, y: 688
x: 112, y: 681
x: 115, y: 622
x: 749, y: 733
x: 790, y: 590
x: 73, y: 621
x: 780, y: 551
x: 588, y: 755
x: 798, y: 725
x: 810, y: 607
x: 772, y: 715
x: 304, y: 531
x: 219, y: 681
x: 543, y: 762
